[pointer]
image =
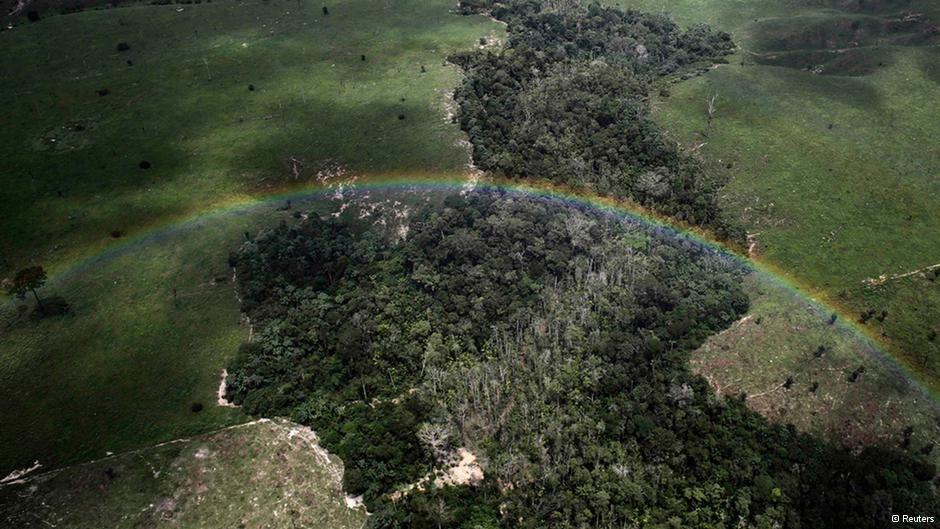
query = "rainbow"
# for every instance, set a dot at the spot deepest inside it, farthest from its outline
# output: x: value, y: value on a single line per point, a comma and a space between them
x: 302, y: 193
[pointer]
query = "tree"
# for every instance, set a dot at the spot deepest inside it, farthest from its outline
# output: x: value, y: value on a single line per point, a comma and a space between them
x: 436, y: 439
x: 710, y: 109
x: 28, y: 280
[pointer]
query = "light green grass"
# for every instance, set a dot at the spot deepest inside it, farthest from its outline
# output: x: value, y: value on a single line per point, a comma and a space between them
x: 274, y: 473
x: 185, y: 107
x: 831, y: 206
x: 124, y: 368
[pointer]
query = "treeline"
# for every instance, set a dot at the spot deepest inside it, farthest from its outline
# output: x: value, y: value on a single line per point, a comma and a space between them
x: 567, y: 101
x: 554, y: 343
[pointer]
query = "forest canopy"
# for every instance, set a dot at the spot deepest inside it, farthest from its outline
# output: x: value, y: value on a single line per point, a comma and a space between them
x: 568, y: 101
x: 552, y: 342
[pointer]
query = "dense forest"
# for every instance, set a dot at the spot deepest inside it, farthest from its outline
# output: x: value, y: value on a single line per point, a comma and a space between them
x: 568, y: 100
x: 553, y: 343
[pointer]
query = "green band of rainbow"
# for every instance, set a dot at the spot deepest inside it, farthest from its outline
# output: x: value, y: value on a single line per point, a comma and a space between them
x: 565, y: 195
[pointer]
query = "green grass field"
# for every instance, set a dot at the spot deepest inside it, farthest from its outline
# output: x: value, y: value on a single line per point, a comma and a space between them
x: 194, y: 483
x: 836, y: 173
x: 70, y: 157
x: 154, y: 322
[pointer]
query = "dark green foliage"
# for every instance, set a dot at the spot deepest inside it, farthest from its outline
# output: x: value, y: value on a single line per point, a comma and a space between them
x: 123, y: 46
x: 25, y: 281
x: 555, y: 344
x: 568, y: 102
x: 644, y: 42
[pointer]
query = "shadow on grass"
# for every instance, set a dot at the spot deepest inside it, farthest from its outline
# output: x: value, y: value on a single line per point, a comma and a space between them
x: 855, y: 42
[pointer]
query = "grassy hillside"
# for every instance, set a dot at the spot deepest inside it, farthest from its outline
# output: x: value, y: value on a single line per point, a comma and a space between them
x: 153, y: 322
x: 194, y: 483
x: 219, y: 100
x: 826, y: 124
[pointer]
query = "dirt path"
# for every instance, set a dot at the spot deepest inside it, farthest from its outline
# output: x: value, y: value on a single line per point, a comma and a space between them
x: 220, y: 394
x: 884, y: 278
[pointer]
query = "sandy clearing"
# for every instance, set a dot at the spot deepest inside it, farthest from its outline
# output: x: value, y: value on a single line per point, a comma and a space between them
x: 220, y: 394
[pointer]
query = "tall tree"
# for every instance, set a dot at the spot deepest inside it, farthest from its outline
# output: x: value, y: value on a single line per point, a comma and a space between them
x: 28, y: 280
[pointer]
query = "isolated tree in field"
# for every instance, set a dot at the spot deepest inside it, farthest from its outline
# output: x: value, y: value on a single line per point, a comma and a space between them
x: 28, y: 280
x: 710, y: 109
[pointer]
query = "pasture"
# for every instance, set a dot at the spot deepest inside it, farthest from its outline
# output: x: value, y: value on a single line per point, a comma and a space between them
x: 225, y: 101
x: 826, y: 127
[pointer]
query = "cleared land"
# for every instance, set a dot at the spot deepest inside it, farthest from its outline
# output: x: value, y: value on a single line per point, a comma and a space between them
x: 288, y: 481
x: 154, y: 321
x: 826, y: 124
x: 797, y: 368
